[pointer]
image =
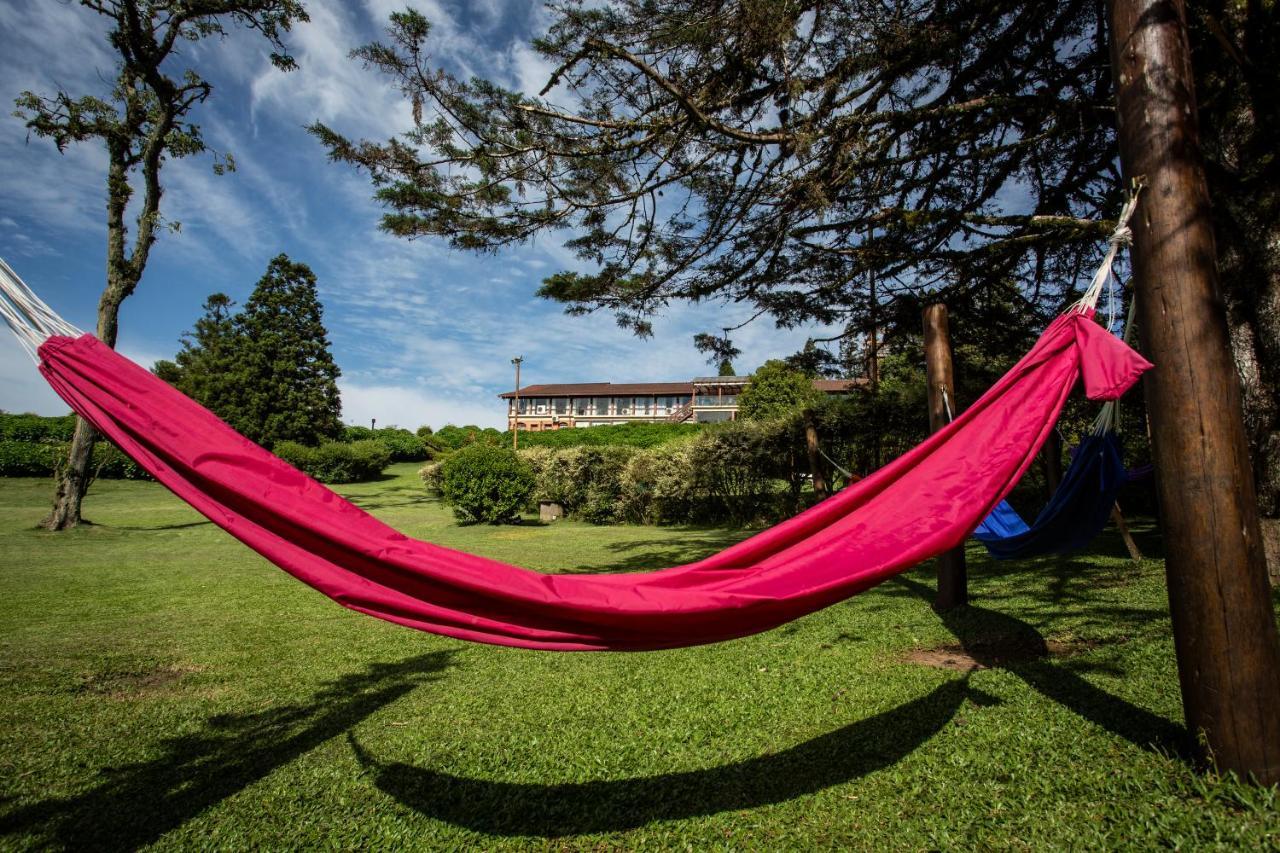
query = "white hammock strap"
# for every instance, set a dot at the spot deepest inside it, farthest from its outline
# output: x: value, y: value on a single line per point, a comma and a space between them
x: 1121, y: 236
x: 27, y: 315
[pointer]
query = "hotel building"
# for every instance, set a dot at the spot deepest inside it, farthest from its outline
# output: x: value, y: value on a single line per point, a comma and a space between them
x: 708, y: 399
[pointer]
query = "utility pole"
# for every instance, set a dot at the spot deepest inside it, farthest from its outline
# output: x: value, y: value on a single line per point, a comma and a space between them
x: 1223, y: 625
x: 515, y: 421
x: 953, y: 579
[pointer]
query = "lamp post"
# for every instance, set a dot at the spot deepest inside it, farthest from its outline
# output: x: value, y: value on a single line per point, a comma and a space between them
x: 515, y: 421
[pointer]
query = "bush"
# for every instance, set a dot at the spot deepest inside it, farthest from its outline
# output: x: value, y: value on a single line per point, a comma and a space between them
x: 620, y: 435
x: 450, y: 437
x: 36, y: 428
x: 403, y: 445
x: 586, y: 481
x: 337, y: 461
x: 29, y: 458
x: 432, y: 475
x: 43, y: 459
x: 484, y: 483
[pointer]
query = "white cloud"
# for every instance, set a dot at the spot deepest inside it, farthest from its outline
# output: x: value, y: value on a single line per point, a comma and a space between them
x: 410, y: 407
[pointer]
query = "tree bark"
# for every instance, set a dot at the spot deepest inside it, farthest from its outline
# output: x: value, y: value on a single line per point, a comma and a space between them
x: 816, y: 471
x: 953, y: 579
x: 74, y: 479
x: 1224, y: 628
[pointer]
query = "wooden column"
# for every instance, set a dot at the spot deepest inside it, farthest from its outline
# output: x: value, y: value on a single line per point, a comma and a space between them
x: 1224, y: 628
x: 953, y: 580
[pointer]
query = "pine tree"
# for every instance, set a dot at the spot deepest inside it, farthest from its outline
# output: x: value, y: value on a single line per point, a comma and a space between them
x: 204, y: 367
x: 283, y: 374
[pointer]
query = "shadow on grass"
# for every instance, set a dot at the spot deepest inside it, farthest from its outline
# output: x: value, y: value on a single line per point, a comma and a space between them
x: 680, y: 547
x: 551, y: 811
x: 134, y: 805
x: 185, y: 525
x: 979, y: 630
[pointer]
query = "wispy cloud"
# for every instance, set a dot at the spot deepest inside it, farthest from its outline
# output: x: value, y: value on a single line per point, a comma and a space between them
x: 423, y: 334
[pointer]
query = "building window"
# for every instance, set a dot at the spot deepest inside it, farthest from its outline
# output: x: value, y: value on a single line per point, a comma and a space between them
x: 601, y: 406
x: 539, y: 405
x: 581, y: 406
x: 641, y: 406
x: 524, y: 406
x: 560, y: 405
x: 623, y: 405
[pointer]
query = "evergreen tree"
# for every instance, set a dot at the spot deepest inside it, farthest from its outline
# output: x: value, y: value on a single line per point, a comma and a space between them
x: 204, y: 368
x: 283, y: 375
x: 726, y: 368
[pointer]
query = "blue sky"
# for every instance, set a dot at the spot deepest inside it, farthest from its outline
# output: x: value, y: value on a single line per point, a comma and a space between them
x: 423, y: 334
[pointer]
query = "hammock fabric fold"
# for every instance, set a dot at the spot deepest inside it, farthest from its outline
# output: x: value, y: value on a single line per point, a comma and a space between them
x: 923, y: 503
x: 1076, y: 513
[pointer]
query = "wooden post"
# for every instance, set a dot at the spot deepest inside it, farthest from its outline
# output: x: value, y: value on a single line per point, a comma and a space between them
x: 953, y: 580
x: 1223, y: 625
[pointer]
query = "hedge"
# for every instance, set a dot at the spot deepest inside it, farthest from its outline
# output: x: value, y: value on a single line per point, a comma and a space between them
x: 337, y: 461
x: 43, y: 459
x: 36, y: 428
x: 632, y: 434
x: 403, y: 445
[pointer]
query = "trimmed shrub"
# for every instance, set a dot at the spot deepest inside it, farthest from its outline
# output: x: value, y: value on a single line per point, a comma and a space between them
x: 43, y: 458
x: 403, y: 445
x: 484, y: 483
x: 337, y: 461
x: 620, y: 435
x: 586, y: 481
x: 450, y: 437
x: 29, y: 458
x: 36, y: 428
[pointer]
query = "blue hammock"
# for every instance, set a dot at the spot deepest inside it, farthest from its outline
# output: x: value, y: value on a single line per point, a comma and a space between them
x: 1075, y: 514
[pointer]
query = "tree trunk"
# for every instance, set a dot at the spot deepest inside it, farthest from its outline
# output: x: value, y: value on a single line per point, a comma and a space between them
x: 953, y: 579
x: 820, y: 488
x: 1223, y: 623
x: 74, y: 479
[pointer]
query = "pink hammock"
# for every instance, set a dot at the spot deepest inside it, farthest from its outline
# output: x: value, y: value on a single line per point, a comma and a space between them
x: 920, y: 505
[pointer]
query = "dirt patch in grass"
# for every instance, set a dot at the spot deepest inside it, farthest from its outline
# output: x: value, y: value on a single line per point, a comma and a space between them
x: 998, y: 652
x: 127, y: 684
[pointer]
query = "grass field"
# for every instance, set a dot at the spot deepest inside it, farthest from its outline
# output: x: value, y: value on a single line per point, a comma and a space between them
x: 163, y: 685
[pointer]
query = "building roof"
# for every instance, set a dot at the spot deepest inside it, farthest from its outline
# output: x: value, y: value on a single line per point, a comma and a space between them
x: 674, y: 389
x: 604, y: 389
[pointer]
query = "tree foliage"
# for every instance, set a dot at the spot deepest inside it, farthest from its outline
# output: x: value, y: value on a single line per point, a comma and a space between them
x: 786, y: 154
x: 767, y: 151
x: 267, y: 370
x: 776, y: 390
x: 143, y: 121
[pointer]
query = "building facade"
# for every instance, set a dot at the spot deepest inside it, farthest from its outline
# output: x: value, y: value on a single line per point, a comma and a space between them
x: 708, y: 399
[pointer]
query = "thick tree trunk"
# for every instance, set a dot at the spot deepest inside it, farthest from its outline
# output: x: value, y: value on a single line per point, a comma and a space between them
x: 1223, y: 623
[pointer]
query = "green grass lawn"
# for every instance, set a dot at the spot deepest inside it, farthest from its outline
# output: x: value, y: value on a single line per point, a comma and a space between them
x: 164, y: 685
